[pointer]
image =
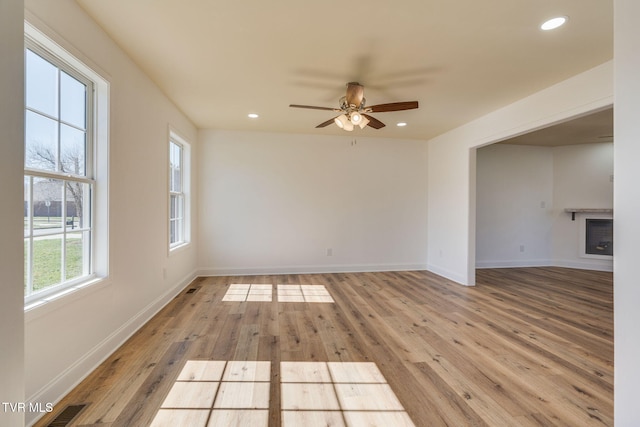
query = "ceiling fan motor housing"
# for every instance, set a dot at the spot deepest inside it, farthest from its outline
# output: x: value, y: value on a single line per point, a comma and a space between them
x: 355, y: 94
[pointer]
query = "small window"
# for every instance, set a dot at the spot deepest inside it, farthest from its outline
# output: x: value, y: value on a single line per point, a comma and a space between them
x: 178, y: 192
x: 60, y: 184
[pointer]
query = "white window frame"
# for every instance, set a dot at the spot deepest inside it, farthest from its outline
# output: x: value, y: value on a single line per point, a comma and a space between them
x: 96, y: 164
x: 182, y: 217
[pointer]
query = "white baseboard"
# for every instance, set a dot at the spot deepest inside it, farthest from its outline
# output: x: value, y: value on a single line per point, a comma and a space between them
x: 307, y: 269
x: 63, y: 383
x: 587, y: 264
x: 448, y: 275
x: 515, y: 263
x: 597, y: 265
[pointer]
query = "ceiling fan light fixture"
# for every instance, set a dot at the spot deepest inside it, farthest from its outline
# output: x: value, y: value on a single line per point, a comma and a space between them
x: 353, y: 111
x: 343, y: 122
x: 363, y: 123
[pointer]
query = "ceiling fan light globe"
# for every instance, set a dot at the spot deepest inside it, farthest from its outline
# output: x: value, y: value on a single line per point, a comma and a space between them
x: 356, y: 118
x: 348, y: 126
x: 343, y: 122
x: 363, y: 123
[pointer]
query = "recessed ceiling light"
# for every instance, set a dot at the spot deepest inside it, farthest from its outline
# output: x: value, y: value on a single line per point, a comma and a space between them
x: 554, y: 23
x: 401, y: 124
x: 252, y: 116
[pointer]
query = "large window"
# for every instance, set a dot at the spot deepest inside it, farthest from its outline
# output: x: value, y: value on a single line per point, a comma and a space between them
x: 59, y: 174
x: 178, y: 192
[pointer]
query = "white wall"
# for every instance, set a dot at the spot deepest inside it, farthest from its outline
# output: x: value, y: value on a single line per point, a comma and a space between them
x: 67, y: 338
x: 626, y: 211
x: 11, y: 194
x: 582, y: 179
x: 451, y: 163
x: 514, y: 199
x: 522, y: 192
x: 274, y: 203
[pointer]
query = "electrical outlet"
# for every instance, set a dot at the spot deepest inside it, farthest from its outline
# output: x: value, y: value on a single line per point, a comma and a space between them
x: 521, y: 248
x: 543, y: 204
x: 329, y: 251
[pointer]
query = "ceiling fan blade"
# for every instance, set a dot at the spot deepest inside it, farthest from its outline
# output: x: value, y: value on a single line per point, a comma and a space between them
x: 324, y: 124
x: 373, y: 122
x: 311, y: 107
x: 393, y: 106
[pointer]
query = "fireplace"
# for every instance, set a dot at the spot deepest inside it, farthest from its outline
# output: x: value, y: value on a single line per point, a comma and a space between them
x: 598, y: 236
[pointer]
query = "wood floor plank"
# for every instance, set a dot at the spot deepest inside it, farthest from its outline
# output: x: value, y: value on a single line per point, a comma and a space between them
x: 524, y: 347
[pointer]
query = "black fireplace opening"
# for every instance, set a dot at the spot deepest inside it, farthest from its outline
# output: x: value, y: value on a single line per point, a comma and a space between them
x: 599, y: 238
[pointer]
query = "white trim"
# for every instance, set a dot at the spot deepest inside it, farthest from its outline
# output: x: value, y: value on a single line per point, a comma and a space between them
x: 176, y: 138
x: 46, y: 304
x: 458, y: 278
x: 96, y: 162
x: 63, y: 383
x: 515, y: 263
x: 580, y: 265
x: 598, y: 265
x: 60, y: 46
x: 307, y: 269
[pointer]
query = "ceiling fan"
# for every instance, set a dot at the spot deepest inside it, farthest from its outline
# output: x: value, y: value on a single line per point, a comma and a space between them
x: 354, y: 112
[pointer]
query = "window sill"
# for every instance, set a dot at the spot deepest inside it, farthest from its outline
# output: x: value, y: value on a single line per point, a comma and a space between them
x: 50, y: 303
x: 179, y: 248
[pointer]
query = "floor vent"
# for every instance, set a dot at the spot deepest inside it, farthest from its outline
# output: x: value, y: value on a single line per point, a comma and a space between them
x: 192, y: 290
x: 67, y: 415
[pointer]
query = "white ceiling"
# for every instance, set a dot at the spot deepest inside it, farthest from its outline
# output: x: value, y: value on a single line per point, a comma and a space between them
x: 220, y: 60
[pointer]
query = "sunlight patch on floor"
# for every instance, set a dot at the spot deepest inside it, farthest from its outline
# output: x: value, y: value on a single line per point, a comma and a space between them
x: 248, y: 292
x: 285, y: 293
x: 338, y: 394
x: 210, y: 393
x: 303, y: 293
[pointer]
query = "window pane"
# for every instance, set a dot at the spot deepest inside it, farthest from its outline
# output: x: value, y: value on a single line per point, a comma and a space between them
x: 27, y: 206
x: 47, y: 204
x: 77, y: 200
x: 180, y: 207
x: 173, y: 206
x: 74, y: 256
x: 27, y: 242
x: 47, y: 261
x: 175, y: 167
x: 177, y: 180
x: 41, y: 142
x: 171, y: 164
x: 41, y: 81
x: 72, y: 101
x: 179, y: 237
x: 172, y: 231
x: 72, y: 150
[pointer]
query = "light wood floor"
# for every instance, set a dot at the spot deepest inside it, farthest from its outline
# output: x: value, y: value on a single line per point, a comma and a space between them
x: 525, y: 347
